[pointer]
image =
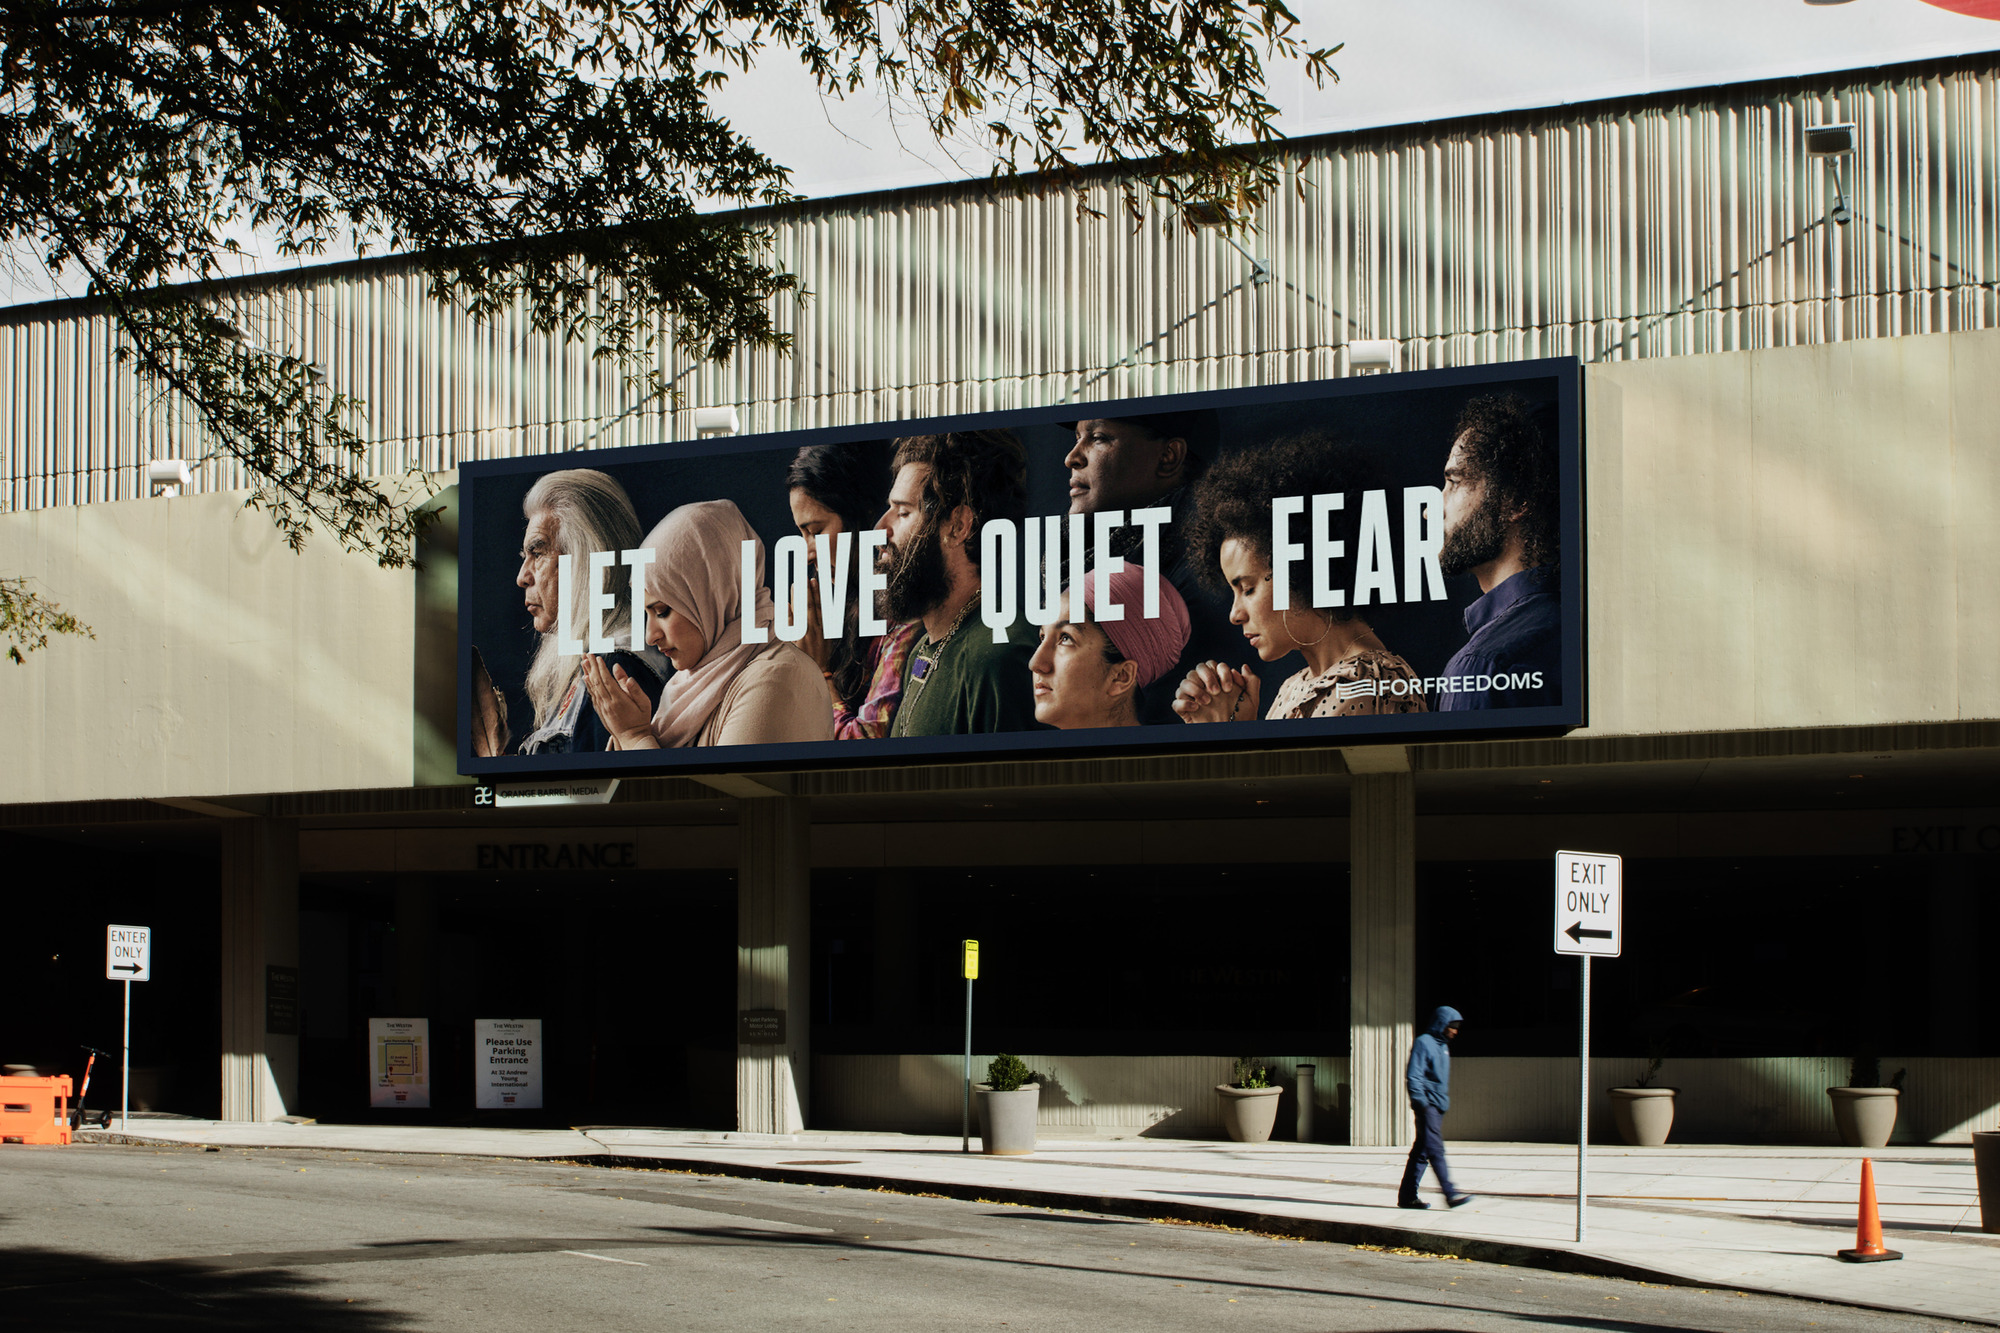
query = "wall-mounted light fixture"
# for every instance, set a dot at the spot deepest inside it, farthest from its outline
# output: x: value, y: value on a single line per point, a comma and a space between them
x: 166, y: 476
x: 716, y: 421
x: 1833, y: 144
x: 1212, y: 215
x: 1372, y: 355
x: 225, y: 329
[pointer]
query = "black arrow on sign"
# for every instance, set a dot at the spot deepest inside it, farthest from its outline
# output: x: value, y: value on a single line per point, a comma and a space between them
x: 1577, y: 933
x: 125, y: 967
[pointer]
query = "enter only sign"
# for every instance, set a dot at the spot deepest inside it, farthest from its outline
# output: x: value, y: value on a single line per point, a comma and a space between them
x: 128, y: 953
x: 1590, y: 903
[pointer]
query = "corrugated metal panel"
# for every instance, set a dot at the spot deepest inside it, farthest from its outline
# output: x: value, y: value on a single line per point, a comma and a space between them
x: 1622, y: 230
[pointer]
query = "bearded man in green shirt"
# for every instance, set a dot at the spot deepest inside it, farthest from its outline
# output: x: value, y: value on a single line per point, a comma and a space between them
x: 956, y: 681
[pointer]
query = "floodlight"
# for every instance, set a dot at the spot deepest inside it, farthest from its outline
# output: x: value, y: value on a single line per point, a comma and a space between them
x: 716, y: 421
x: 1214, y: 215
x: 1372, y: 354
x: 166, y: 476
x: 1206, y: 213
x: 1830, y: 140
x: 223, y: 328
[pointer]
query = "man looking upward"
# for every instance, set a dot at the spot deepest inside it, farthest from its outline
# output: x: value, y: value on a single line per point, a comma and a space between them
x: 1502, y: 527
x: 1135, y: 462
x: 957, y: 681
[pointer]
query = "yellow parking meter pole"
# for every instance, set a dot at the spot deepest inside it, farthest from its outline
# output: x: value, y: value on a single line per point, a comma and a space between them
x: 970, y: 966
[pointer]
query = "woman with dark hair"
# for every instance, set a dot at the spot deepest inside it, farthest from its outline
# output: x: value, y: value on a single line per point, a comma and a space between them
x: 838, y: 488
x: 1347, y: 669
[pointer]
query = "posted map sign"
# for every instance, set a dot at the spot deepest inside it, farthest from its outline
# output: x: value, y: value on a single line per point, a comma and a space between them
x: 399, y: 1066
x: 507, y: 1063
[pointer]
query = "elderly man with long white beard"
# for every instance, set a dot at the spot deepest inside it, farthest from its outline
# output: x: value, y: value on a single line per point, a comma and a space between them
x: 573, y: 513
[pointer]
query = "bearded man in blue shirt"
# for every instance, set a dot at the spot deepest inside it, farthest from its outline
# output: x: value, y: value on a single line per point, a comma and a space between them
x: 1501, y: 525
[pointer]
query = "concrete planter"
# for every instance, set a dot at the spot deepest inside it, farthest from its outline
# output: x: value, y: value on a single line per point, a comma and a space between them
x: 1986, y: 1165
x: 1249, y: 1113
x: 1865, y: 1117
x: 1644, y: 1116
x: 1007, y: 1119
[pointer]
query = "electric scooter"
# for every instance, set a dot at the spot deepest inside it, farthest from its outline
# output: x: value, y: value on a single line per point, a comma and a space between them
x: 78, y: 1117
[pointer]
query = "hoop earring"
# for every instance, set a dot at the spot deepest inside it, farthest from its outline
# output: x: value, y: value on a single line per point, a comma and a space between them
x: 1326, y: 630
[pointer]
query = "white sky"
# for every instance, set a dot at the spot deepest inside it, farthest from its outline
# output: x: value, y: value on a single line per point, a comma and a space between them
x: 1405, y: 61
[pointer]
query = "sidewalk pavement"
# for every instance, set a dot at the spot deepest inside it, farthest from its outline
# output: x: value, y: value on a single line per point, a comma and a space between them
x: 1740, y: 1218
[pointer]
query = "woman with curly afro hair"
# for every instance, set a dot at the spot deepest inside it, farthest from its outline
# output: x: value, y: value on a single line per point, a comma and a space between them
x: 1230, y: 541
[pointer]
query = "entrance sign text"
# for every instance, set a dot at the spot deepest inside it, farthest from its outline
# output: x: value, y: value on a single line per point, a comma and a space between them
x: 507, y: 1063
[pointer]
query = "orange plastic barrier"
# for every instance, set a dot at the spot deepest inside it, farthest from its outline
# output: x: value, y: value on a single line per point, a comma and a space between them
x: 34, y: 1110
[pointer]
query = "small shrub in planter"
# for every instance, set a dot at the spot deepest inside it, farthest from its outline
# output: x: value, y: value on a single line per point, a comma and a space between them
x: 1643, y: 1113
x: 1249, y: 1102
x: 1864, y: 1112
x: 1008, y: 1102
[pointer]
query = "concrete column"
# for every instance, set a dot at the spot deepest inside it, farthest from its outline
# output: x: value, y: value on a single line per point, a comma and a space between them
x: 260, y: 931
x: 774, y: 960
x: 1382, y: 919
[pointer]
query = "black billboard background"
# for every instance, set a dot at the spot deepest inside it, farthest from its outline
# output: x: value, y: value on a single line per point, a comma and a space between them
x: 1404, y: 421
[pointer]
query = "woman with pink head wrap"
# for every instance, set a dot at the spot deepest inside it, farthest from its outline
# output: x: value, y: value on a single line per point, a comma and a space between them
x: 1088, y: 672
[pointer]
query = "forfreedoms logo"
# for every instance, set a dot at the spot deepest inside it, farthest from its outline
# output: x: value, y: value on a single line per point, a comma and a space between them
x: 1401, y: 686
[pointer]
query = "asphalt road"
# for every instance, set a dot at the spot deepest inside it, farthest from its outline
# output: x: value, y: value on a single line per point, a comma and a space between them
x: 133, y: 1240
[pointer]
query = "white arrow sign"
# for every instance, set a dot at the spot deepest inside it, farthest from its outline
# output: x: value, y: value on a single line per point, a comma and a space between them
x: 1590, y: 903
x: 128, y: 953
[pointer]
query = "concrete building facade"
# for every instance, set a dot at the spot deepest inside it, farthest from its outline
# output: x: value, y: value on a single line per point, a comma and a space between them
x: 1791, y: 468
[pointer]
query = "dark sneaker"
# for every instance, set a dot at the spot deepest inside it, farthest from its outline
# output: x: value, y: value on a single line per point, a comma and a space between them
x: 1411, y: 1203
x: 1458, y: 1201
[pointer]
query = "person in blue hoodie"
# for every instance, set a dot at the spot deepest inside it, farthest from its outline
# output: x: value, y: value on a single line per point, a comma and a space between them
x: 1428, y: 1078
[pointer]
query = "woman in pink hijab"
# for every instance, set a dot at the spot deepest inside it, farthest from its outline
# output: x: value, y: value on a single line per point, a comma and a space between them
x: 723, y: 691
x: 1088, y: 673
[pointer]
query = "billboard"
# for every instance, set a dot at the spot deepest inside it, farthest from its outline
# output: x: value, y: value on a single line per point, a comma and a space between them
x: 1378, y: 558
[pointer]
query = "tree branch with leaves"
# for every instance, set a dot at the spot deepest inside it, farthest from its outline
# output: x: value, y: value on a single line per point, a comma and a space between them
x: 561, y: 159
x: 27, y: 619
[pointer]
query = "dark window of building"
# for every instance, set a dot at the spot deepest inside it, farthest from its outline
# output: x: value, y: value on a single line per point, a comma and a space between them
x: 63, y: 887
x: 1083, y: 960
x: 633, y: 976
x: 1751, y: 956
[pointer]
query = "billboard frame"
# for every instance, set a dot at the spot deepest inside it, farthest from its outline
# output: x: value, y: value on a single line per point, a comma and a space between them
x: 1210, y: 738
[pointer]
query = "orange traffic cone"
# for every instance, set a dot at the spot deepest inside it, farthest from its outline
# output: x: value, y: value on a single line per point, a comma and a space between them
x: 1868, y: 1247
